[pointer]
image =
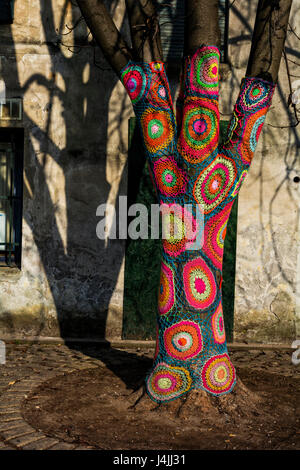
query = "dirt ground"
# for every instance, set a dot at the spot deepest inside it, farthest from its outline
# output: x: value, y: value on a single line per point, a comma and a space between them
x: 95, y: 407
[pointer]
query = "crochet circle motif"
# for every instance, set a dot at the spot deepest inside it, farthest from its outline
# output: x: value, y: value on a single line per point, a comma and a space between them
x: 252, y: 132
x: 199, y: 284
x: 157, y: 129
x: 157, y: 67
x: 218, y: 374
x: 214, y: 183
x: 135, y: 82
x: 255, y: 94
x: 179, y: 228
x: 204, y: 75
x: 166, y: 296
x: 168, y: 382
x: 214, y: 235
x: 200, y: 129
x: 158, y: 94
x: 170, y: 179
x: 183, y: 340
x: 218, y: 328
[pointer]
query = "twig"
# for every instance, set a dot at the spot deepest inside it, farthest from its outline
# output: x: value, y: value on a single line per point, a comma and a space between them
x: 293, y: 31
x: 293, y: 62
x: 72, y: 27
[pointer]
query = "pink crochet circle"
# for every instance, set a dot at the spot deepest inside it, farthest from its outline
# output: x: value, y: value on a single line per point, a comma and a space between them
x: 199, y: 284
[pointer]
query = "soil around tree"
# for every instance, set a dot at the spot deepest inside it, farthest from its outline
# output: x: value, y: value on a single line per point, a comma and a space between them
x: 104, y: 408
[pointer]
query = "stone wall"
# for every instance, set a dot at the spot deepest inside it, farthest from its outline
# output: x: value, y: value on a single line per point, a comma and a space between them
x: 75, y: 116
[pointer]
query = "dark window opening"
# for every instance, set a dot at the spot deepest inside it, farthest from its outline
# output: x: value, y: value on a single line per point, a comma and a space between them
x: 171, y: 19
x: 6, y: 11
x: 11, y: 190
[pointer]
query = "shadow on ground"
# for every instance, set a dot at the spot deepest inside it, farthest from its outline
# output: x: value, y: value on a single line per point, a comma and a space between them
x: 95, y: 407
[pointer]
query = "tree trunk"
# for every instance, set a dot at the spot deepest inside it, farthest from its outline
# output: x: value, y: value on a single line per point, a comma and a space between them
x: 268, y: 38
x: 194, y: 174
x: 105, y: 33
x: 201, y: 24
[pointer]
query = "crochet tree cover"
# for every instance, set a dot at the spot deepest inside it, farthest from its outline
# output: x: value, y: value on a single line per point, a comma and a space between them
x: 190, y: 169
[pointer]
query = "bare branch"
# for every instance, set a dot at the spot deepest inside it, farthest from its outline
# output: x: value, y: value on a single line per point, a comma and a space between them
x: 105, y: 33
x: 268, y: 38
x: 70, y: 29
x: 290, y: 103
x: 293, y: 31
x: 145, y: 33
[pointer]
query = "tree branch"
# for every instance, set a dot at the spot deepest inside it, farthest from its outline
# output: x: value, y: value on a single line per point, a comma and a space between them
x: 105, y: 33
x: 144, y: 27
x: 201, y: 24
x: 268, y: 38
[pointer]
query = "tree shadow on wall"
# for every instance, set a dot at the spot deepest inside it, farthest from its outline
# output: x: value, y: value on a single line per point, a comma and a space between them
x: 284, y: 135
x: 69, y: 170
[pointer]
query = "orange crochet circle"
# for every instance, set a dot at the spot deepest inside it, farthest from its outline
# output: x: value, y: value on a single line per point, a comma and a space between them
x: 157, y: 129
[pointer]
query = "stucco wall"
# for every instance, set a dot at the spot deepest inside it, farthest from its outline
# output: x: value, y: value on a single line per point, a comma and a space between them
x: 267, y: 266
x: 75, y: 119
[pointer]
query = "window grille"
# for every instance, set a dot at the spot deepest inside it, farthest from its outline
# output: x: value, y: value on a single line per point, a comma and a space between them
x: 11, y: 169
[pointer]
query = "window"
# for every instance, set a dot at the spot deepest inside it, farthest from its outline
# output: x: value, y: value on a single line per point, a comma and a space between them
x: 6, y: 11
x: 11, y: 188
x: 11, y: 109
x: 171, y: 18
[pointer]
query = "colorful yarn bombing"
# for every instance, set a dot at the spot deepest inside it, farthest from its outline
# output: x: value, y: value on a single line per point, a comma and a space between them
x: 135, y: 82
x: 214, y: 183
x: 204, y: 76
x: 179, y: 228
x: 190, y: 169
x: 170, y: 179
x: 200, y: 129
x: 168, y: 382
x: 214, y: 235
x: 158, y: 131
x: 199, y: 284
x: 217, y: 325
x: 183, y: 340
x: 166, y: 297
x: 218, y: 375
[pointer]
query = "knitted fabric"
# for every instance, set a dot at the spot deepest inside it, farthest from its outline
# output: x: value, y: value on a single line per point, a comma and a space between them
x: 190, y: 168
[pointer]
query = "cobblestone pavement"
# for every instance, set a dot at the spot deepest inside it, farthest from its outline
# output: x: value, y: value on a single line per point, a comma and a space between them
x: 28, y: 365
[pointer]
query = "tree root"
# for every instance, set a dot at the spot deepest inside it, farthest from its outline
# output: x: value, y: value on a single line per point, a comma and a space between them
x: 241, y: 402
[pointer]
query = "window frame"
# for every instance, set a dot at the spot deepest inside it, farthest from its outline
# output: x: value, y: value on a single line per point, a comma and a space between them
x: 12, y: 139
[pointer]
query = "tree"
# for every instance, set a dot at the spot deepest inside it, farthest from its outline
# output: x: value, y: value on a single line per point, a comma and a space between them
x: 190, y: 168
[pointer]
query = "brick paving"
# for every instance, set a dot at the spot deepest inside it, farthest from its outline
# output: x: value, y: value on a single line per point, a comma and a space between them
x: 28, y: 365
